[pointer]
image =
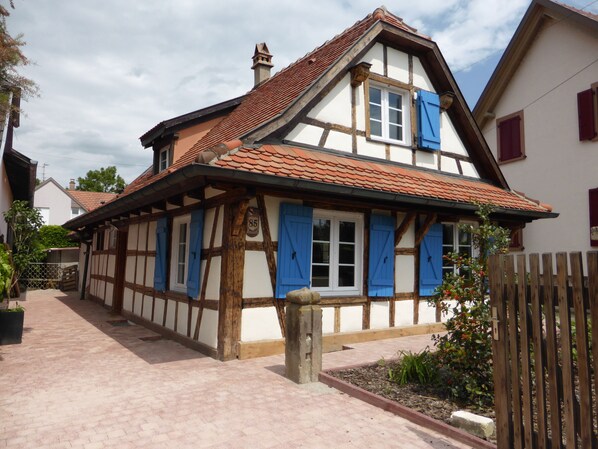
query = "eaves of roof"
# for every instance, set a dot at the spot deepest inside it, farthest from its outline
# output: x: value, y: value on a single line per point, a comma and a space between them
x: 537, y: 12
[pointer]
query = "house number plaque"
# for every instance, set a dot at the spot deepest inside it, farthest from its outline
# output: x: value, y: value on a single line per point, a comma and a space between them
x: 253, y: 222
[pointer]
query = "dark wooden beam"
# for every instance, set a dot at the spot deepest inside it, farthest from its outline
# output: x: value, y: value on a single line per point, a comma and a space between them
x: 177, y: 200
x: 402, y: 229
x: 240, y: 217
x: 421, y: 232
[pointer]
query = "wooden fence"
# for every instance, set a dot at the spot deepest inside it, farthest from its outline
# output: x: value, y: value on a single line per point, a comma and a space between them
x: 545, y: 354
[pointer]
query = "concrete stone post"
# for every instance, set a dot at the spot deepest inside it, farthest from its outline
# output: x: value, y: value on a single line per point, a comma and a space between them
x: 303, y: 346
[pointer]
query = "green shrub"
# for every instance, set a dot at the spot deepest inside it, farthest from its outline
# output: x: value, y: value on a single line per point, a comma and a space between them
x: 419, y: 368
x: 54, y: 236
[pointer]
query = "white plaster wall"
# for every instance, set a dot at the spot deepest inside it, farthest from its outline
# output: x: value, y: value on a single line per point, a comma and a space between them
x: 194, y: 312
x: 379, y: 315
x: 170, y: 313
x: 448, y: 164
x: 558, y: 169
x: 59, y: 202
x: 327, y: 320
x: 260, y: 324
x: 398, y: 65
x: 140, y: 269
x: 128, y: 300
x: 420, y: 77
x: 404, y: 273
x: 132, y: 236
x: 351, y: 318
x: 256, y: 277
x: 408, y: 239
x: 151, y: 240
x: 5, y: 197
x: 339, y: 141
x: 469, y: 169
x: 375, y: 56
x: 307, y: 134
x: 111, y: 265
x: 403, y: 313
x: 401, y: 155
x: 208, y: 331
x: 159, y: 311
x: 427, y: 314
x: 449, y: 138
x: 333, y: 107
x: 213, y: 284
x: 182, y: 318
x: 151, y: 266
x: 109, y: 293
x: 360, y: 108
x: 138, y: 303
x: 146, y: 310
x: 207, y: 228
x: 273, y: 210
x: 370, y: 148
x: 142, y: 235
x: 130, y: 269
x: 426, y: 159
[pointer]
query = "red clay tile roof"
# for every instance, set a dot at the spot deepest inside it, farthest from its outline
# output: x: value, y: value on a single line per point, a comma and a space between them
x: 273, y: 96
x: 91, y: 200
x: 312, y: 165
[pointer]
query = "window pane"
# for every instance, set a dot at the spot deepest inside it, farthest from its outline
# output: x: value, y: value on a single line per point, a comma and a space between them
x: 347, y: 231
x: 395, y: 116
x: 346, y: 276
x: 375, y: 95
x: 375, y: 112
x: 447, y: 234
x: 346, y: 253
x: 395, y: 132
x: 182, y: 256
x: 395, y: 101
x: 464, y: 238
x: 375, y: 128
x: 320, y: 276
x: 321, y: 230
x: 321, y: 252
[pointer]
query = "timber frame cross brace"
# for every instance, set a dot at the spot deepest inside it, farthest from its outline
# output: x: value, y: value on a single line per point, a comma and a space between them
x: 421, y: 232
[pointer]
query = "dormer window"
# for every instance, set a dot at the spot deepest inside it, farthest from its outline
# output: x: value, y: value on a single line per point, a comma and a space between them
x: 389, y: 115
x: 164, y: 158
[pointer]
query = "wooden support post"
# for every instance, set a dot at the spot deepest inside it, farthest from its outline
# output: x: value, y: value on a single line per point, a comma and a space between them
x: 240, y: 217
x: 231, y: 285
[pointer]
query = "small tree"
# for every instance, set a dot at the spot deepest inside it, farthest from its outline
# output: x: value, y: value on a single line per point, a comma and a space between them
x: 465, y: 352
x: 102, y: 180
x: 24, y: 223
x: 54, y: 236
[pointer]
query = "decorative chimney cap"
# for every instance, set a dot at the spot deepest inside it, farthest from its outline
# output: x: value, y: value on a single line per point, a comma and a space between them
x: 262, y: 56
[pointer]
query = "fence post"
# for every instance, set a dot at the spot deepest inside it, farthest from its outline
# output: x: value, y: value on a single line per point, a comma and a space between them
x: 303, y: 348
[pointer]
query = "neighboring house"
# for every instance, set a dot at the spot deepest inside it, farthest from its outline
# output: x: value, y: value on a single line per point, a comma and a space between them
x: 58, y: 205
x: 17, y: 171
x: 346, y: 172
x: 539, y: 115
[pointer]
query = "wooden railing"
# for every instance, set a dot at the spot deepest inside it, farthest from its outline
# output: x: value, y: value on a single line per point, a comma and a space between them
x: 545, y: 355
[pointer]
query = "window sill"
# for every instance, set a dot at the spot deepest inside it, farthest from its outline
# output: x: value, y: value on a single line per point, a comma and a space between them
x: 515, y: 159
x: 396, y: 143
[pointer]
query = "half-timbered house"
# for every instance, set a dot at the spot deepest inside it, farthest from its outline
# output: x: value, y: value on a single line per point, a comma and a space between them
x: 346, y: 172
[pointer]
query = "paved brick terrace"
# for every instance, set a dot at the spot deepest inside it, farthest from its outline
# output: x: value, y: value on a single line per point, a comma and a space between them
x: 76, y: 381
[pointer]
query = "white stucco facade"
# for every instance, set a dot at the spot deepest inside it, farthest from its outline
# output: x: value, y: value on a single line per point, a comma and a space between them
x: 557, y: 169
x: 53, y: 203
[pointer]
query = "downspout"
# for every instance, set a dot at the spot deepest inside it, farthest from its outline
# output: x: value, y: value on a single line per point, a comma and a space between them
x: 85, y: 266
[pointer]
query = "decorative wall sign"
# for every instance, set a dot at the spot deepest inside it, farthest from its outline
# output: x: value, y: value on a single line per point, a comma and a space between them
x: 253, y: 222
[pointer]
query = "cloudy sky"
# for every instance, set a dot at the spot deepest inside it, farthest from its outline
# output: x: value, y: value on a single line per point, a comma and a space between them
x: 109, y: 70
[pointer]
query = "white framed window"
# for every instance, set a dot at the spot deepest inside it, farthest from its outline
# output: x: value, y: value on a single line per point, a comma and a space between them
x: 454, y: 240
x: 337, y: 253
x: 76, y: 211
x: 389, y: 114
x: 179, y: 253
x: 164, y: 158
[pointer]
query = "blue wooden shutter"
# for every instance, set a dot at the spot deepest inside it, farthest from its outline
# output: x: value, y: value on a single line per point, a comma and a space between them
x: 294, y: 248
x: 382, y: 256
x: 161, y: 256
x: 428, y: 120
x: 195, y: 241
x: 430, y: 261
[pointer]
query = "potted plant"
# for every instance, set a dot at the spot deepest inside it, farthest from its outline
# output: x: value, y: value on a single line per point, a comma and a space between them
x: 11, y: 319
x: 24, y: 223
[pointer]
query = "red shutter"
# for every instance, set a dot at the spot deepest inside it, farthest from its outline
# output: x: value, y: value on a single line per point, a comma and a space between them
x: 586, y: 114
x: 510, y: 139
x: 593, y: 214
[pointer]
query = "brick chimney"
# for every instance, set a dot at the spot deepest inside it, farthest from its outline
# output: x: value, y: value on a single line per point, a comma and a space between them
x: 262, y: 63
x: 72, y: 184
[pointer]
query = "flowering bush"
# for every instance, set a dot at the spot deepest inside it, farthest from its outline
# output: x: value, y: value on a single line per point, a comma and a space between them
x: 465, y: 352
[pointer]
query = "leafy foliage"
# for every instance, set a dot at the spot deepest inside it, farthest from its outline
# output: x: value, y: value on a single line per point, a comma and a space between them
x: 102, y: 180
x: 24, y: 223
x: 419, y: 368
x: 11, y: 59
x: 465, y: 352
x: 6, y: 272
x: 54, y: 236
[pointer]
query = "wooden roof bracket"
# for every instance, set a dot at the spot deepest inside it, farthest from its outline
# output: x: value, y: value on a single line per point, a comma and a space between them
x: 402, y: 229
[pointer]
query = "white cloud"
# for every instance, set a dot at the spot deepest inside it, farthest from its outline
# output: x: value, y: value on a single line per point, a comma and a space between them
x: 110, y: 70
